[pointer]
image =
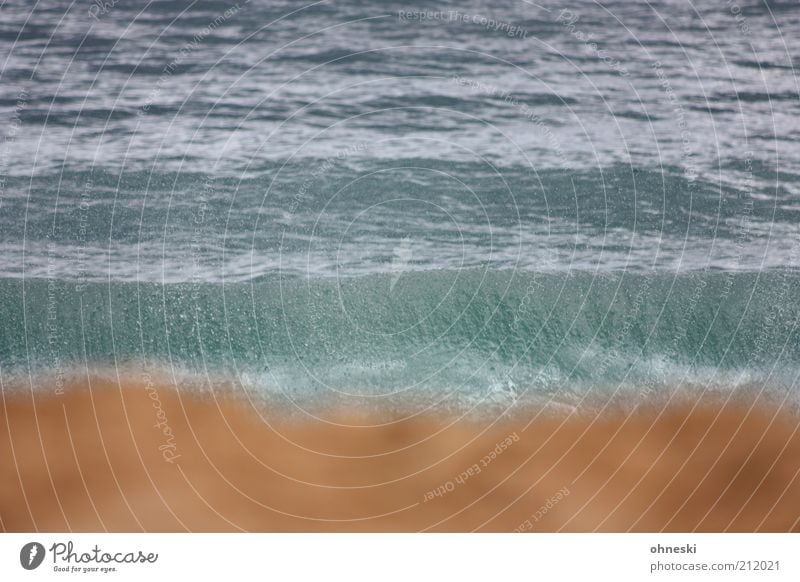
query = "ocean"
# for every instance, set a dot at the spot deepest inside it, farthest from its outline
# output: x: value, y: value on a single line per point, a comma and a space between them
x: 468, y: 206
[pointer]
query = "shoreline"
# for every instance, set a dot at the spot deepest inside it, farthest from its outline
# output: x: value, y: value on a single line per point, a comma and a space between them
x: 102, y: 456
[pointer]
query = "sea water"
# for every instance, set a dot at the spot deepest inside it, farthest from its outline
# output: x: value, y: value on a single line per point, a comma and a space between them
x: 480, y: 204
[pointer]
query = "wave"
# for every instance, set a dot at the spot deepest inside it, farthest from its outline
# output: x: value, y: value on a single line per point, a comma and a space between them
x: 352, y: 216
x: 453, y: 335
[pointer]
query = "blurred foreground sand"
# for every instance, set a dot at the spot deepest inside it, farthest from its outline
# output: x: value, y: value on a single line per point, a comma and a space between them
x: 95, y: 460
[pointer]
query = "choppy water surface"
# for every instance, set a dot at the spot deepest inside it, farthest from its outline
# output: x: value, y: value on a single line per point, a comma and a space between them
x: 454, y: 203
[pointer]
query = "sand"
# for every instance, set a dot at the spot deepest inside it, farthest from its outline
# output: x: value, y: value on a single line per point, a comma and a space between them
x: 150, y: 457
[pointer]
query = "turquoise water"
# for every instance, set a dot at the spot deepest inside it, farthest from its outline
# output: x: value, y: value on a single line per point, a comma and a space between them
x: 395, y: 202
x: 463, y: 336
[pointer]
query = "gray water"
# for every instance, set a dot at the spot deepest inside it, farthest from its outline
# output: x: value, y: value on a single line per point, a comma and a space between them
x: 469, y: 202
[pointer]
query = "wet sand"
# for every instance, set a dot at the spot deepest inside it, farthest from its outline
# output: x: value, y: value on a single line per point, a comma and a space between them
x: 154, y: 458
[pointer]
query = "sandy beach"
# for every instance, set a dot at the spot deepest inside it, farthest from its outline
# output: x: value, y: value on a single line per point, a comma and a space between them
x: 144, y: 456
